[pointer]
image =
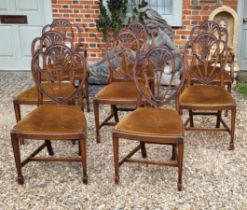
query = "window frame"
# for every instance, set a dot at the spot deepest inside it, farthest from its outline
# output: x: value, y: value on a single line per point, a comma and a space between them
x: 174, y: 19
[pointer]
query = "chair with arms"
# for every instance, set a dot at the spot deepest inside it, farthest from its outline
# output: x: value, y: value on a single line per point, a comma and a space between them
x: 121, y: 90
x: 206, y: 61
x: 152, y: 124
x: 59, y: 120
x: 72, y: 38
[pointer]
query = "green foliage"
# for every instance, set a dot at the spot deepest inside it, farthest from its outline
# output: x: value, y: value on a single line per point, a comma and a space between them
x: 113, y: 19
x: 242, y: 88
x: 103, y: 23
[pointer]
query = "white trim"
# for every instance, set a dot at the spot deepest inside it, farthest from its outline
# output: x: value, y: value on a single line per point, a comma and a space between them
x: 240, y: 15
x: 16, y: 69
x: 48, y: 11
x: 175, y: 19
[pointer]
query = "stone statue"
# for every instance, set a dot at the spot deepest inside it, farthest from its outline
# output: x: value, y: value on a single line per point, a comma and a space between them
x: 149, y: 17
x: 162, y: 35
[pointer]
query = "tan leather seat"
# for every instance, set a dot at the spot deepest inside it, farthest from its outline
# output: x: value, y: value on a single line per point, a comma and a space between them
x: 52, y: 119
x: 150, y: 121
x: 30, y: 95
x: 118, y: 91
x: 205, y: 96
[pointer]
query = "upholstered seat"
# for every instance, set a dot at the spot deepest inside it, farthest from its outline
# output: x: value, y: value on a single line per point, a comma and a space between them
x: 205, y: 96
x: 52, y: 120
x: 120, y: 92
x: 150, y: 121
x: 30, y: 95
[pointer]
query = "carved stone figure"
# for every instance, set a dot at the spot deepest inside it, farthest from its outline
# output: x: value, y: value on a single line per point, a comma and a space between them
x: 162, y: 35
x: 150, y: 18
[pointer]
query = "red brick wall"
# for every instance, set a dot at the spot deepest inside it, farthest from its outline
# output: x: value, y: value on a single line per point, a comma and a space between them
x: 194, y: 13
x: 85, y: 12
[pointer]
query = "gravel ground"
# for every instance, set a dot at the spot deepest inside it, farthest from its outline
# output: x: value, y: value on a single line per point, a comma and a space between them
x: 214, y: 178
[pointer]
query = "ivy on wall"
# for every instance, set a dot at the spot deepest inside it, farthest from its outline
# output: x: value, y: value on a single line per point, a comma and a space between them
x: 112, y: 18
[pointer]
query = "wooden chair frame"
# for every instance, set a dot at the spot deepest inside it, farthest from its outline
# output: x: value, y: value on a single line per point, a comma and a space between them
x: 156, y: 98
x: 72, y: 35
x: 62, y: 64
x: 206, y: 42
x: 221, y: 33
x: 126, y: 41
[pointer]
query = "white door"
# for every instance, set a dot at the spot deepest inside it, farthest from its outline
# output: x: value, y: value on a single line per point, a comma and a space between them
x: 242, y: 58
x: 16, y: 39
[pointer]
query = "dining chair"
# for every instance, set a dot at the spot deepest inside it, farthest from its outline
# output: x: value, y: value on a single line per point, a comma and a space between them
x: 220, y: 33
x: 59, y: 120
x: 30, y: 95
x: 72, y: 35
x: 152, y: 122
x: 121, y: 90
x: 206, y: 61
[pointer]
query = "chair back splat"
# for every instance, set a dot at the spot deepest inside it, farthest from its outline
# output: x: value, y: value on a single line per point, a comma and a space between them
x: 47, y: 39
x: 58, y: 65
x: 149, y: 71
x: 121, y: 54
x: 205, y: 55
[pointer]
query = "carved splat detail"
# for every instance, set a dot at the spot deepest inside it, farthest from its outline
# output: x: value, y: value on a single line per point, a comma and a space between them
x: 57, y: 67
x: 148, y: 78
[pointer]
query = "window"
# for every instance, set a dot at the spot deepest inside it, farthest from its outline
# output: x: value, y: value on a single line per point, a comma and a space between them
x: 170, y: 10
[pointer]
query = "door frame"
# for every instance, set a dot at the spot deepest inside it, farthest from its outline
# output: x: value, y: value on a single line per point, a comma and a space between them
x: 240, y: 11
x: 47, y: 18
x: 48, y: 10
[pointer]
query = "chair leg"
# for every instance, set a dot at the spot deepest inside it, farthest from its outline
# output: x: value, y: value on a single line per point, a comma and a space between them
x: 174, y: 152
x: 16, y: 150
x: 87, y: 95
x: 229, y: 89
x: 191, y: 118
x: 180, y: 164
x: 49, y: 147
x: 96, y: 118
x: 116, y: 157
x: 233, y: 119
x: 79, y: 148
x: 143, y: 150
x: 17, y: 109
x: 218, y: 119
x: 114, y: 110
x: 84, y: 160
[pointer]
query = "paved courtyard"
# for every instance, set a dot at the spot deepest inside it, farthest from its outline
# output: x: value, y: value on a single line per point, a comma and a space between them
x: 214, y: 178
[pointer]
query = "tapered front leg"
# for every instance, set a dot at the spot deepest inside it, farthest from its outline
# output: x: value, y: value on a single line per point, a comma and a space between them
x: 17, y: 155
x: 116, y: 157
x: 87, y: 95
x: 17, y: 109
x: 180, y: 164
x: 96, y: 118
x: 84, y: 159
x: 233, y: 119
